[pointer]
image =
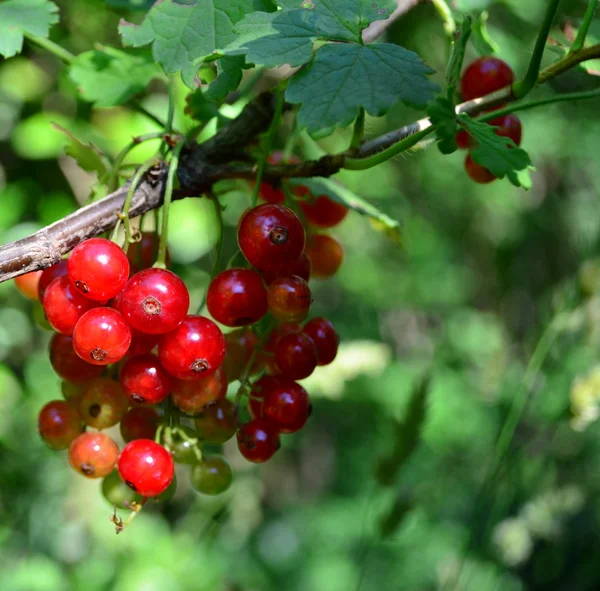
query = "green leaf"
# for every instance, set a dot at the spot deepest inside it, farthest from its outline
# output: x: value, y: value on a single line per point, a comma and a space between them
x: 498, y: 154
x: 459, y: 46
x: 88, y: 156
x: 482, y: 40
x: 199, y: 107
x: 442, y: 115
x: 394, y: 518
x: 351, y: 76
x: 229, y: 76
x: 131, y: 4
x: 19, y: 17
x: 337, y: 192
x: 183, y: 34
x: 110, y: 77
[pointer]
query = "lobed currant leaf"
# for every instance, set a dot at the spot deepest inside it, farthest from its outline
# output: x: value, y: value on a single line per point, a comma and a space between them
x: 87, y: 156
x: 499, y: 154
x: 131, y: 4
x: 24, y: 16
x: 229, y: 76
x: 351, y: 76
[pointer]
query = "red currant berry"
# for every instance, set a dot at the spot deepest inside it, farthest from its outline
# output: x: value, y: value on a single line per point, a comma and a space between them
x: 257, y: 394
x: 144, y: 380
x: 271, y: 193
x: 117, y: 493
x: 143, y: 254
x: 300, y: 267
x: 93, y: 454
x: 296, y: 356
x: 508, y: 126
x: 286, y: 405
x: 58, y: 424
x: 64, y: 305
x: 154, y: 301
x: 28, y: 284
x: 322, y: 211
x: 485, y: 75
x: 71, y: 392
x: 289, y: 299
x: 102, y: 403
x: 67, y: 364
x: 146, y: 467
x: 478, y: 173
x: 266, y: 358
x: 237, y: 297
x: 141, y: 343
x: 212, y: 476
x: 239, y: 345
x: 101, y: 336
x: 194, y: 349
x: 139, y: 422
x: 326, y: 255
x: 463, y: 140
x: 324, y: 336
x: 191, y: 396
x: 217, y: 422
x: 258, y: 441
x: 270, y: 236
x: 49, y: 275
x: 98, y: 268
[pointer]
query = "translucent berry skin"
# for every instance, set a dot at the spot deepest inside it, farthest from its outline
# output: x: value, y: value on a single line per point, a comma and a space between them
x: 485, y: 75
x: 239, y: 345
x: 257, y: 394
x: 300, y: 267
x: 64, y: 305
x: 258, y: 441
x: 509, y: 126
x: 325, y: 338
x: 326, y: 255
x: 28, y: 284
x: 101, y: 336
x: 141, y: 343
x: 270, y: 236
x: 322, y: 211
x: 212, y: 476
x: 182, y: 450
x: 144, y: 380
x: 67, y: 364
x: 478, y: 173
x: 463, y: 140
x: 191, y: 396
x: 139, y: 422
x: 296, y: 356
x: 59, y: 424
x: 98, y: 268
x: 142, y: 254
x: 102, y: 403
x: 237, y: 297
x: 146, y: 467
x: 289, y: 299
x: 49, y: 275
x: 196, y: 348
x: 216, y: 423
x: 117, y: 493
x: 72, y: 392
x: 286, y: 405
x: 93, y: 454
x: 154, y: 301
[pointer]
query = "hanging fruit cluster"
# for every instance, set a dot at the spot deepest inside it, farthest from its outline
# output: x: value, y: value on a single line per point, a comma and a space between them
x: 129, y: 353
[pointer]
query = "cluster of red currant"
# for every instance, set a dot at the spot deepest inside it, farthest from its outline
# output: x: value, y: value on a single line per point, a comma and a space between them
x: 484, y: 76
x: 128, y: 352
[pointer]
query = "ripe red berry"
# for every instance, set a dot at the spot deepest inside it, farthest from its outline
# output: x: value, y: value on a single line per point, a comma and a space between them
x: 98, y: 268
x: 296, y: 356
x: 326, y: 255
x: 93, y: 454
x: 270, y: 236
x: 212, y: 475
x: 324, y: 336
x: 144, y: 380
x: 485, y: 75
x: 258, y: 441
x: 478, y: 173
x: 300, y: 267
x: 508, y: 126
x: 257, y: 394
x: 64, y: 305
x: 142, y: 254
x: 266, y: 358
x: 463, y: 139
x: 28, y: 284
x: 194, y: 349
x: 102, y: 403
x: 322, y: 211
x: 139, y: 422
x: 141, y: 343
x: 289, y: 299
x: 146, y: 467
x: 217, y: 422
x: 49, y: 275
x: 271, y: 193
x: 286, y: 405
x: 59, y: 424
x: 101, y: 336
x: 154, y: 301
x: 239, y: 345
x: 67, y: 364
x: 191, y: 396
x: 237, y: 297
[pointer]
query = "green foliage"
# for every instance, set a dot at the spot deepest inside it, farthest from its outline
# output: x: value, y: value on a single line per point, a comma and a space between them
x: 442, y: 115
x: 230, y: 69
x: 19, y: 17
x: 88, y: 156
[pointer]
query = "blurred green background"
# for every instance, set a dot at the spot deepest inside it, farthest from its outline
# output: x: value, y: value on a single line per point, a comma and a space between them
x: 483, y: 272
